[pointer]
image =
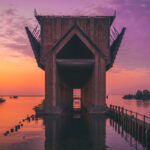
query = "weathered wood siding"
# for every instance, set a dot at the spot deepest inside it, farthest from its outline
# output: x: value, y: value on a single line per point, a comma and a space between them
x: 53, y: 29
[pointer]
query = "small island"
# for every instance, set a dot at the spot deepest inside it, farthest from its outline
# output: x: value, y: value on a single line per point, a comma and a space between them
x: 140, y: 95
x: 2, y: 100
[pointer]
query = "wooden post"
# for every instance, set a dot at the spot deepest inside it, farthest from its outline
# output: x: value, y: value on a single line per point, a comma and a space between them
x: 136, y: 124
x: 122, y: 115
x: 119, y: 113
x: 148, y: 138
x: 131, y: 121
x: 110, y: 106
x: 116, y: 113
x: 113, y: 111
x: 126, y: 119
x: 143, y: 131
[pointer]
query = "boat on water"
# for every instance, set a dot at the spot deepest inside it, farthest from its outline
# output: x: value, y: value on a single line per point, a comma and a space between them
x: 15, y: 96
x: 2, y: 100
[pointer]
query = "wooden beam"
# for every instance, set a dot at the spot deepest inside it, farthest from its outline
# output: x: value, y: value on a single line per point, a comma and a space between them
x: 75, y: 62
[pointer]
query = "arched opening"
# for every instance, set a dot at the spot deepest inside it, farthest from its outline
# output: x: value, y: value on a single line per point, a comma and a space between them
x: 75, y: 65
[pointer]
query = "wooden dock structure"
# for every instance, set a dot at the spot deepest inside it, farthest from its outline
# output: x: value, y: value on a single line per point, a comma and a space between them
x: 75, y: 52
x: 136, y: 124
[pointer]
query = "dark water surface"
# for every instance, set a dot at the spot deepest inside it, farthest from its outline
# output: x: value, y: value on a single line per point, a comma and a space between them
x: 65, y: 132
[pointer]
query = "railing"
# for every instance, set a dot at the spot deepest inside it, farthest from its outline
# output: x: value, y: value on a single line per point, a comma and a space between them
x: 138, y: 125
x: 137, y: 116
x: 36, y: 33
x: 113, y: 34
x: 128, y: 137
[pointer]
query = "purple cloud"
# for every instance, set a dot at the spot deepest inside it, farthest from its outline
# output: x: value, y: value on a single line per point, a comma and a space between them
x: 10, y: 12
x: 133, y: 14
x: 12, y: 32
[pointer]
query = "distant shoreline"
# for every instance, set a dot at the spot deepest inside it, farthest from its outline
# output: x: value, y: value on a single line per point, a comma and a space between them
x: 23, y: 95
x: 140, y: 95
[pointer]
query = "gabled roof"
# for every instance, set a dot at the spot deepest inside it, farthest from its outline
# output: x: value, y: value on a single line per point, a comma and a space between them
x: 40, y: 18
x: 76, y: 30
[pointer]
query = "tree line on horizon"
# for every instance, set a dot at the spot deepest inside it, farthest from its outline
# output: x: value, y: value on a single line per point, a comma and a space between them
x: 140, y: 95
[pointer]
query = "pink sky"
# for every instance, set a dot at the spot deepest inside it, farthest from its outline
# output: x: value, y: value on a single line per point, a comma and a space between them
x: 19, y: 72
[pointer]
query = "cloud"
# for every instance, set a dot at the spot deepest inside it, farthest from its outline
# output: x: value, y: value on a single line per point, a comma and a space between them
x: 12, y: 33
x: 133, y: 14
x: 8, y: 12
x: 25, y: 49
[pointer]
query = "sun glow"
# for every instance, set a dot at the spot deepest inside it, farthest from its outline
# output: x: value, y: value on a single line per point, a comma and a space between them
x: 20, y: 75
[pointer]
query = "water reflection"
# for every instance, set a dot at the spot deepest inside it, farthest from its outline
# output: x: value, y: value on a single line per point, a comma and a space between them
x: 144, y: 104
x: 98, y: 131
x: 138, y: 106
x: 67, y: 132
x: 74, y: 131
x: 130, y: 138
x: 87, y: 132
x: 20, y: 124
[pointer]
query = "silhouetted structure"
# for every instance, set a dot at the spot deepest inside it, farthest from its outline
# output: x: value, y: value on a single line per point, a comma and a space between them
x: 75, y: 52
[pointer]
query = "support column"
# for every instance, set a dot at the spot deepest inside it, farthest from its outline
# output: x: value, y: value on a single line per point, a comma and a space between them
x: 87, y: 94
x: 51, y: 76
x: 99, y: 98
x: 64, y: 94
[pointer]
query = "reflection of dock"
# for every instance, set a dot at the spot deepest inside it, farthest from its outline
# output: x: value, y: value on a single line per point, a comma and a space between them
x: 134, y: 123
x: 77, y: 132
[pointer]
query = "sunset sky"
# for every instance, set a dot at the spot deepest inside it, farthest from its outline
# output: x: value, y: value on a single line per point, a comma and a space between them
x: 19, y: 73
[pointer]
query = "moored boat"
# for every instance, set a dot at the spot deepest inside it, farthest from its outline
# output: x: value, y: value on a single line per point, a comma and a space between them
x: 15, y: 96
x: 2, y: 100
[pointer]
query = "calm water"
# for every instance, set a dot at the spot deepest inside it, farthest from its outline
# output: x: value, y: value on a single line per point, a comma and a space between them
x: 65, y: 132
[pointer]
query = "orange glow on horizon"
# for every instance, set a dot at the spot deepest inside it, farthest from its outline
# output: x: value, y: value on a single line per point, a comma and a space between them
x: 124, y: 81
x: 20, y: 75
